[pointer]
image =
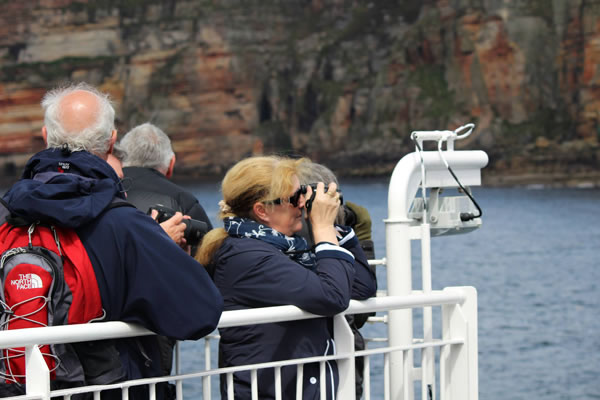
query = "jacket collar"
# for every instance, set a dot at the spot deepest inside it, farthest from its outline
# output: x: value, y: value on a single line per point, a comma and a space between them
x: 62, y: 188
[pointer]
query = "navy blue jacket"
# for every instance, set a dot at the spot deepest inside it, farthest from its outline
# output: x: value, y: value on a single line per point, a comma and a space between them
x: 142, y: 275
x: 251, y: 273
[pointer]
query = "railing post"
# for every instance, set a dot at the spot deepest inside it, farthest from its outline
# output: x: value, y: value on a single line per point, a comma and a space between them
x: 459, y: 378
x: 37, y: 375
x: 344, y: 343
x: 206, y: 390
x: 400, y: 322
x: 402, y: 188
x: 428, y: 390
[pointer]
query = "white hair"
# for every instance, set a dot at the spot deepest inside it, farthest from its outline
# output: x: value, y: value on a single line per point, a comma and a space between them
x: 94, y: 138
x: 147, y: 146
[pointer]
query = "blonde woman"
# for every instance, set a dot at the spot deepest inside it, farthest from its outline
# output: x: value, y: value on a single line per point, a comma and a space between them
x: 257, y: 260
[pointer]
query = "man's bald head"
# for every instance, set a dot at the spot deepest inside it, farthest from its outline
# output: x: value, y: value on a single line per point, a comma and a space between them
x: 81, y: 117
x: 78, y: 110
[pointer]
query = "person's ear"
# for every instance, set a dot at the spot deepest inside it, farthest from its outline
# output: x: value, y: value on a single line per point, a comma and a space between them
x: 169, y: 173
x: 113, y: 140
x: 45, y: 134
x: 260, y: 212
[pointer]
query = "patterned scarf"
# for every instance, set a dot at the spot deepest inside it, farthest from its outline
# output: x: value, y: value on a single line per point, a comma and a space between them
x: 293, y: 246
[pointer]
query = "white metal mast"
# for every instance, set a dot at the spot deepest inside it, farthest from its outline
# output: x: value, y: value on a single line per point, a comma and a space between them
x: 437, y: 216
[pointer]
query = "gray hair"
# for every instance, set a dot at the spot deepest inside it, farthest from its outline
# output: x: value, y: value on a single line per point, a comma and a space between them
x: 312, y: 172
x: 147, y: 146
x: 94, y: 138
x: 119, y: 152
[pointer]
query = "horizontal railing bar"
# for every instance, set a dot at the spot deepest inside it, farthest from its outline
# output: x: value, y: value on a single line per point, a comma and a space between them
x: 378, y: 320
x: 378, y: 261
x: 376, y: 340
x: 416, y: 300
x: 286, y: 313
x: 116, y: 329
x: 119, y: 385
x: 385, y: 339
x: 145, y: 381
x: 434, y: 343
x: 272, y: 364
x: 70, y: 333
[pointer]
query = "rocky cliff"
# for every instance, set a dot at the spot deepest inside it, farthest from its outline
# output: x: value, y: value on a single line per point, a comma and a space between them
x: 343, y: 82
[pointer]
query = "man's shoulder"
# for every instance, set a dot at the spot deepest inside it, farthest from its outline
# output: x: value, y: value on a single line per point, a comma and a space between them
x: 123, y: 215
x: 143, y: 173
x: 142, y: 177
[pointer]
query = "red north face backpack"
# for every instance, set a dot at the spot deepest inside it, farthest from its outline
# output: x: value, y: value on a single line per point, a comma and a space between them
x: 46, y: 279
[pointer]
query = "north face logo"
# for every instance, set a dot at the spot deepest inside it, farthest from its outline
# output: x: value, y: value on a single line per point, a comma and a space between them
x: 63, y: 166
x: 27, y: 281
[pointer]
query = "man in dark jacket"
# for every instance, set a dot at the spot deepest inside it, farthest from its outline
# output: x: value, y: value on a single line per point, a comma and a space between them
x: 148, y: 166
x: 143, y: 277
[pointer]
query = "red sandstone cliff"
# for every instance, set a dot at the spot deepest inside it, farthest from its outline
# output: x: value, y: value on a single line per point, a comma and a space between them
x: 343, y: 82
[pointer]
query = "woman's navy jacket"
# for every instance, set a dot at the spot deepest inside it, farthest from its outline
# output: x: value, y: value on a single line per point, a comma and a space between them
x: 143, y: 276
x: 251, y: 273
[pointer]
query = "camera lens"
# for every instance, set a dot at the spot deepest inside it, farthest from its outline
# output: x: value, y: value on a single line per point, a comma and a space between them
x: 194, y: 231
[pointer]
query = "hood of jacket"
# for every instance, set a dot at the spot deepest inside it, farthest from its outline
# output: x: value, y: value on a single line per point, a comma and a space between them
x: 66, y: 189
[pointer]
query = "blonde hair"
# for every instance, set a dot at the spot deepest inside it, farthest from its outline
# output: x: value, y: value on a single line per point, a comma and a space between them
x: 252, y: 180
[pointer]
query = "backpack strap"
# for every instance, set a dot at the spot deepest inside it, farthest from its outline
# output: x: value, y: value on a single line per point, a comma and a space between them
x: 118, y: 202
x: 115, y: 203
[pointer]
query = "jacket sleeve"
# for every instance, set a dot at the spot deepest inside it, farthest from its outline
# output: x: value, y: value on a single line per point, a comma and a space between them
x: 262, y: 276
x: 193, y: 208
x: 145, y: 278
x: 365, y: 283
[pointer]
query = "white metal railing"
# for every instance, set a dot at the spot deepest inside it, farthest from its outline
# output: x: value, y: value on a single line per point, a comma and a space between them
x: 457, y: 345
x: 457, y: 361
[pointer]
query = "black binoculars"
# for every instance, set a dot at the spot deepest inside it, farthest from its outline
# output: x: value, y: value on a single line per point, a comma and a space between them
x: 314, y: 193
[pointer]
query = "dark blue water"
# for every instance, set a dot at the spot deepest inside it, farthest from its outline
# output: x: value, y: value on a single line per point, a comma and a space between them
x: 536, y: 266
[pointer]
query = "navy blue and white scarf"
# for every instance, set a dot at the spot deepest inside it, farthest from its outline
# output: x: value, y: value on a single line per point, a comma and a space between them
x: 295, y: 246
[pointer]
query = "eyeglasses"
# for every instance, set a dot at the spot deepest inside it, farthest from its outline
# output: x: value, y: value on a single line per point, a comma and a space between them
x: 293, y: 199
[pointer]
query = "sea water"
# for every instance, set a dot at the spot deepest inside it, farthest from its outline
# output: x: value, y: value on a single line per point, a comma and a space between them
x: 536, y: 266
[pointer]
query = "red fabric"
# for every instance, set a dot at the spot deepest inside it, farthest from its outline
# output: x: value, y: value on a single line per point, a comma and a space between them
x: 78, y: 272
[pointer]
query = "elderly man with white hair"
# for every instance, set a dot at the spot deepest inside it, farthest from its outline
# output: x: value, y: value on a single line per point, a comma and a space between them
x: 136, y: 273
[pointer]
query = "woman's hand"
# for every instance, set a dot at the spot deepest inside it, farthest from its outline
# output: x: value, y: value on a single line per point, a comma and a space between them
x: 323, y: 212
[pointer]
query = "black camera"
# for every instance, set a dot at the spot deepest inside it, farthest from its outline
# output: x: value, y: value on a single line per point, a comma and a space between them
x: 194, y: 229
x: 314, y: 193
